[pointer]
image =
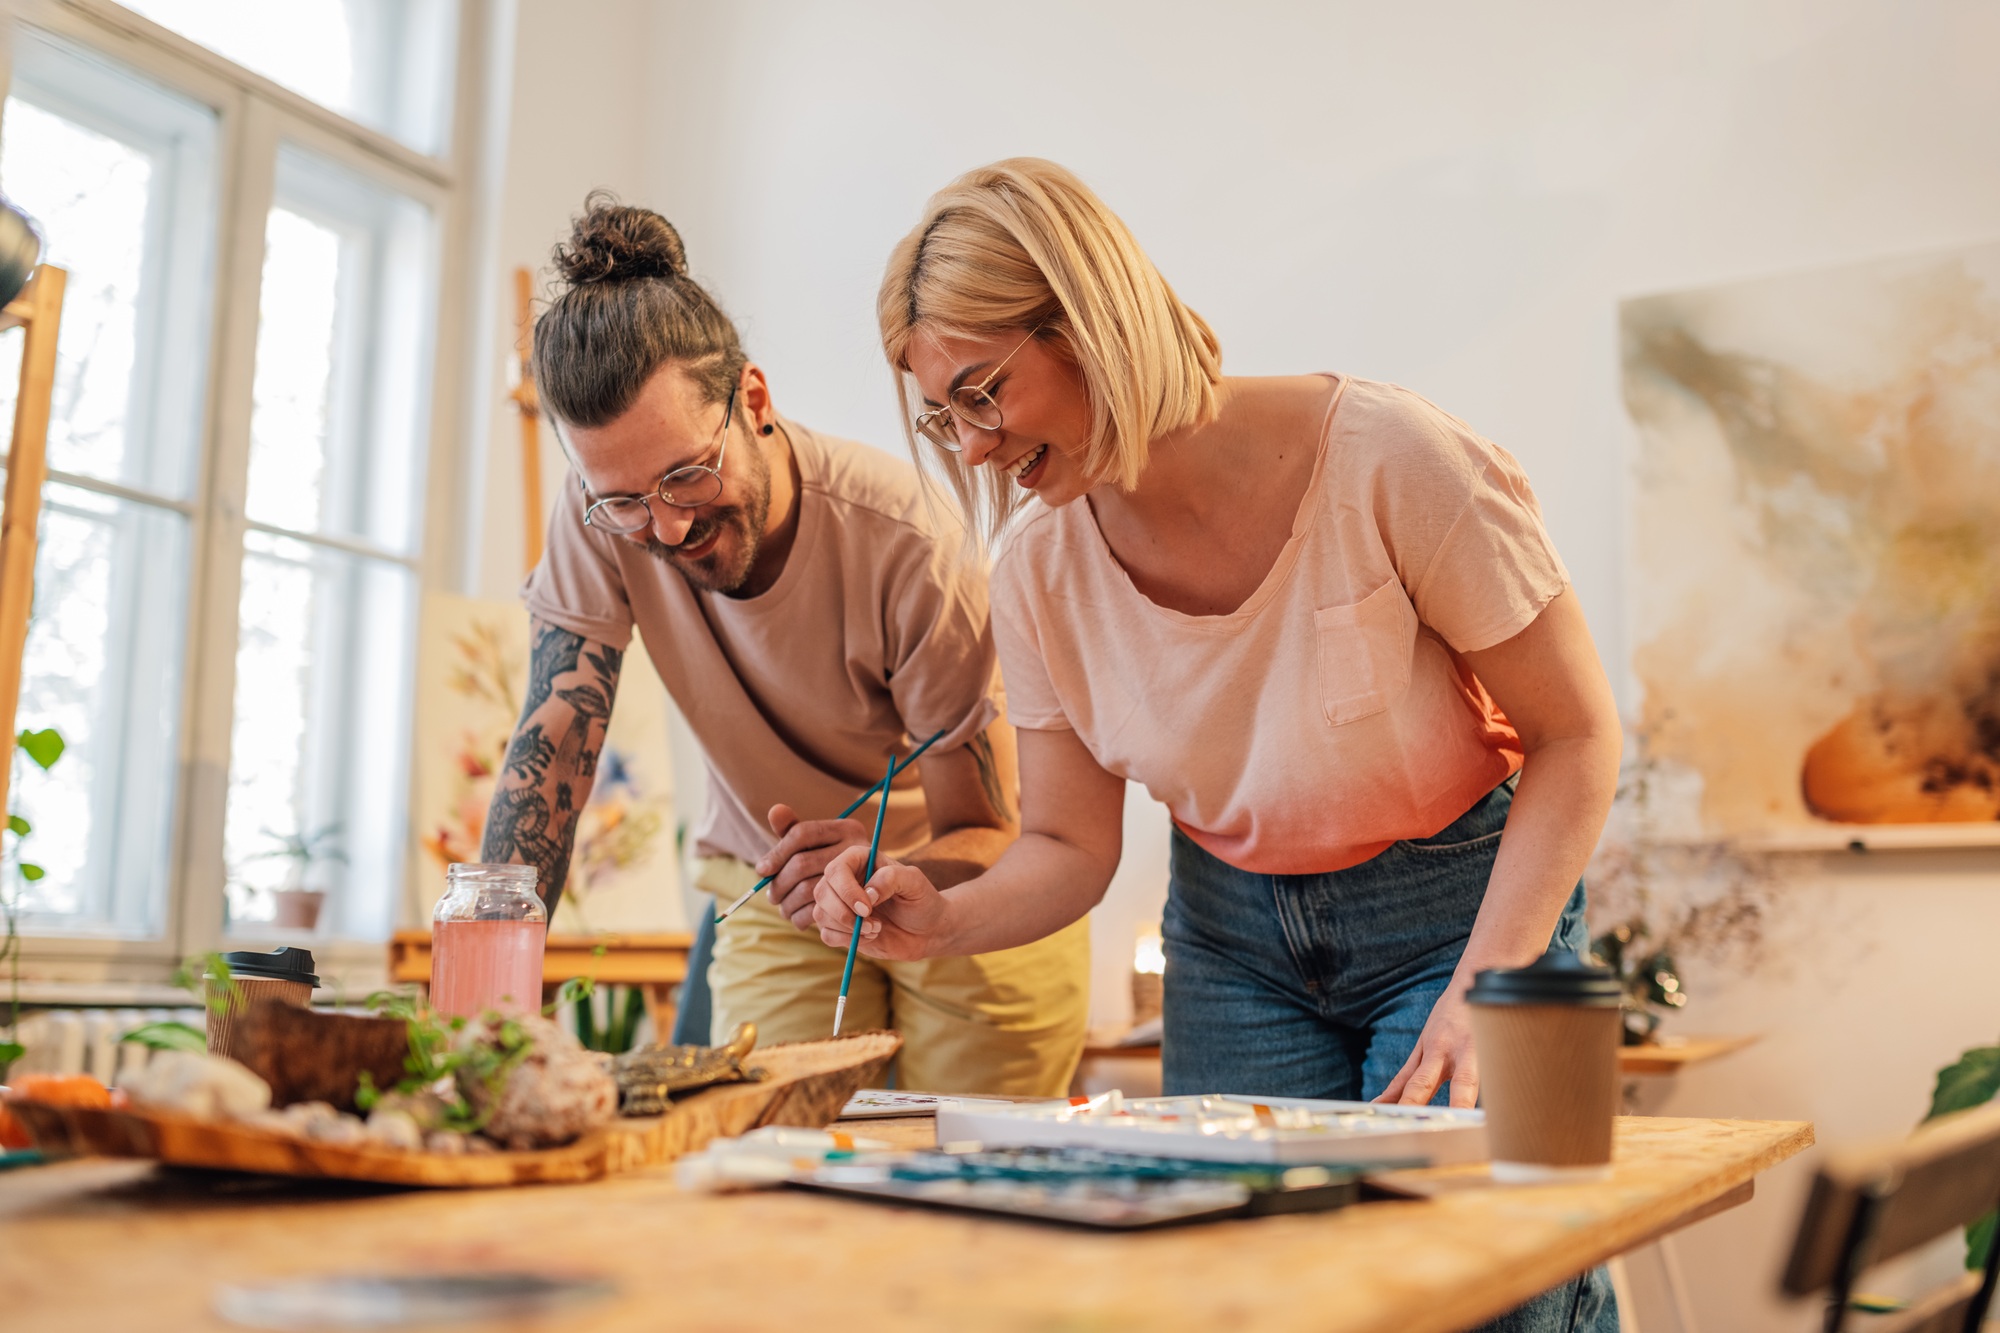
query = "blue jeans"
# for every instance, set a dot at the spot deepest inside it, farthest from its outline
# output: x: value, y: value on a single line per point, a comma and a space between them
x: 1319, y: 985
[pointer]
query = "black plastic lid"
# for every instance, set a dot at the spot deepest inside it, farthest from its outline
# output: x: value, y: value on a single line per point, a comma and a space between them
x: 286, y: 964
x: 1557, y: 977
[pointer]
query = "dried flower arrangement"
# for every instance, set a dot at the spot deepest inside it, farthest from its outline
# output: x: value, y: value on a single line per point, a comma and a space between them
x: 1660, y: 898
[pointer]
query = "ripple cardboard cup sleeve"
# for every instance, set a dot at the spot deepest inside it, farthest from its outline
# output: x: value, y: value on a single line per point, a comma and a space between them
x: 285, y: 975
x: 1547, y: 1038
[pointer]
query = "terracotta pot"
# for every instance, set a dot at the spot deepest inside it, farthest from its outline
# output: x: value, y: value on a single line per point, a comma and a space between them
x: 296, y: 909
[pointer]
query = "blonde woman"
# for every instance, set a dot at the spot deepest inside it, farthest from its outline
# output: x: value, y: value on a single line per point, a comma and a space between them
x: 1318, y: 617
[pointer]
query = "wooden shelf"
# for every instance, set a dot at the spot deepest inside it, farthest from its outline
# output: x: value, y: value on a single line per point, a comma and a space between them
x: 655, y: 963
x: 1674, y: 1054
x: 615, y: 960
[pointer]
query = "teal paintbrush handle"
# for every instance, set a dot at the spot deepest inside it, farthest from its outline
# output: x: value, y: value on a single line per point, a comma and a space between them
x: 854, y: 938
x: 859, y: 801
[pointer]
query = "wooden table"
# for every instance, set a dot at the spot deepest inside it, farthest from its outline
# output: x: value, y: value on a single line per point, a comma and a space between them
x: 657, y: 963
x: 104, y: 1244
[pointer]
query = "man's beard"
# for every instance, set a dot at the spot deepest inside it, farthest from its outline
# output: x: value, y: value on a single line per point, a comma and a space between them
x: 746, y: 520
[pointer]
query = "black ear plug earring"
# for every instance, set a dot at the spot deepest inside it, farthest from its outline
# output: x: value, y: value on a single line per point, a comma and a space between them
x: 768, y: 428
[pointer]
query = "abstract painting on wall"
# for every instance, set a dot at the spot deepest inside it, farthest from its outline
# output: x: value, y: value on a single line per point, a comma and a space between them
x: 1817, y: 545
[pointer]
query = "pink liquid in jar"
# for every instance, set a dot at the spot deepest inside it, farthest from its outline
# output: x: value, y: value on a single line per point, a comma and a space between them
x: 481, y: 965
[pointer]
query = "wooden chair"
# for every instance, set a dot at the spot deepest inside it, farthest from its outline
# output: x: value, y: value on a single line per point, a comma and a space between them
x: 1872, y: 1204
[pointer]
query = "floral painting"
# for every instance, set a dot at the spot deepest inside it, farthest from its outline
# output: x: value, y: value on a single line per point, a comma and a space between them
x: 624, y: 874
x: 1817, y: 544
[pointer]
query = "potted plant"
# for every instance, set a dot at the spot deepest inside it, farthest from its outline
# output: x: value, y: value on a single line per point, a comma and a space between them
x: 295, y: 905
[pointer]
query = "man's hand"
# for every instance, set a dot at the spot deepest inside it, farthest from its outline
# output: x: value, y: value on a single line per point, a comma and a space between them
x: 1443, y: 1051
x: 903, y: 914
x: 801, y: 856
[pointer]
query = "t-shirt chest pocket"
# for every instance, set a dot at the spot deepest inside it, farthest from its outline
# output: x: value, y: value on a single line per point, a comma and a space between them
x: 1364, y: 653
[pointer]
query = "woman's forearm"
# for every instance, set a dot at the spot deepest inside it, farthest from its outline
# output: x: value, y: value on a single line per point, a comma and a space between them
x: 1559, y: 809
x: 1038, y: 886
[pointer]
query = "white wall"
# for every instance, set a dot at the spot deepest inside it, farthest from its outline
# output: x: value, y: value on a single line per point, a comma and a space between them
x: 576, y: 124
x: 1453, y: 196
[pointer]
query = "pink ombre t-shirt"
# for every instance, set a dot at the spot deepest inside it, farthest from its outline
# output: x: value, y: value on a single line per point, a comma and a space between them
x: 1332, y: 714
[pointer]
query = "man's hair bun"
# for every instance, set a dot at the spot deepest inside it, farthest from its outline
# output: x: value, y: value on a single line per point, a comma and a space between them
x: 624, y: 306
x: 612, y: 242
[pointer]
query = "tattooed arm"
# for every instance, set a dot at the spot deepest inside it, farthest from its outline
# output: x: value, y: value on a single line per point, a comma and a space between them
x: 971, y: 795
x: 552, y: 759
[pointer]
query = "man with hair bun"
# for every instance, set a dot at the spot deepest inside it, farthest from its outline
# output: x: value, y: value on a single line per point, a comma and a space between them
x: 811, y: 617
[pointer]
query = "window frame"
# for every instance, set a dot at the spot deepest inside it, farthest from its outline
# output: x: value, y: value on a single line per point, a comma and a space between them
x: 255, y: 119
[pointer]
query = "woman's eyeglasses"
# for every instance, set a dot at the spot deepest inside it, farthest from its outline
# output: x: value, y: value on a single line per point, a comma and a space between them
x: 969, y: 403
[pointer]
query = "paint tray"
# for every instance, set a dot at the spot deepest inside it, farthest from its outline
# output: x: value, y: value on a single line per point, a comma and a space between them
x: 1229, y: 1128
x: 1084, y: 1187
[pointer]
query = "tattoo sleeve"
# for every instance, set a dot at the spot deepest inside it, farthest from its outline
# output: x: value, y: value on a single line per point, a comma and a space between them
x: 981, y: 750
x: 552, y: 759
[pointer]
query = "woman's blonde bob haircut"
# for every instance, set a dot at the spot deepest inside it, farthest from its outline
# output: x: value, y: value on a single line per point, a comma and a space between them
x: 1023, y: 243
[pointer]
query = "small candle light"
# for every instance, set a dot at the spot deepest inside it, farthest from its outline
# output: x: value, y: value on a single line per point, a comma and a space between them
x: 1149, y: 966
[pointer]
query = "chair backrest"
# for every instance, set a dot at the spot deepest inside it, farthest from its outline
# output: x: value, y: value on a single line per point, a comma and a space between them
x: 1869, y: 1204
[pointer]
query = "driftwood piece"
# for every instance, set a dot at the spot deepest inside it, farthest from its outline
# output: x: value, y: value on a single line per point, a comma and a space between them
x: 307, y: 1055
x: 807, y: 1083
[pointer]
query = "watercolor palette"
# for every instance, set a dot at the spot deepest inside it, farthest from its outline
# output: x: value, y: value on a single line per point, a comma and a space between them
x: 1229, y: 1128
x: 1084, y: 1187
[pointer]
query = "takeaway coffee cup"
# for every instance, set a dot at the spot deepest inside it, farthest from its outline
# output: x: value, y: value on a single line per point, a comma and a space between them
x: 1547, y: 1037
x: 286, y: 975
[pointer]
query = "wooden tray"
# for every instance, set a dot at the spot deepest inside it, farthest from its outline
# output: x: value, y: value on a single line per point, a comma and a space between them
x: 808, y: 1083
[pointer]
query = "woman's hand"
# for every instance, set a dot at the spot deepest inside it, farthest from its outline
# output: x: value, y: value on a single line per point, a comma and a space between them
x: 1443, y: 1052
x: 902, y: 913
x: 804, y: 849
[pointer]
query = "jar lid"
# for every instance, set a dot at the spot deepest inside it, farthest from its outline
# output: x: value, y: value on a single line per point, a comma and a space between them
x: 1557, y: 977
x: 286, y: 964
x: 510, y: 874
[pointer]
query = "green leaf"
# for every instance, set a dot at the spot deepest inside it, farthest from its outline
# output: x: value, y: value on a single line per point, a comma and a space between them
x: 1979, y: 1240
x: 571, y: 991
x: 44, y: 746
x: 10, y: 1051
x: 31, y: 872
x: 1973, y: 1081
x: 168, y: 1037
x: 22, y: 828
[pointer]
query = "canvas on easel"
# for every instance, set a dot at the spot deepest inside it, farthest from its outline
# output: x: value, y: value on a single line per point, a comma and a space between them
x: 472, y: 670
x: 472, y: 664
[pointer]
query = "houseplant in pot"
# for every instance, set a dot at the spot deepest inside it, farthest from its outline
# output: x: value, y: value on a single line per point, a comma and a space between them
x: 297, y: 899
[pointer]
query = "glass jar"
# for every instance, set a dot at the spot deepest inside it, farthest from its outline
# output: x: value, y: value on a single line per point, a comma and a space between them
x: 487, y: 936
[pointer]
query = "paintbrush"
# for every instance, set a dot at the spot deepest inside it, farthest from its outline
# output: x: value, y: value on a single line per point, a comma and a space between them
x: 859, y: 801
x: 854, y: 940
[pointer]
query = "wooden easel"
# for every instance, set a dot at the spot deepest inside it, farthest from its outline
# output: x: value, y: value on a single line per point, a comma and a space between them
x: 37, y: 311
x: 529, y: 404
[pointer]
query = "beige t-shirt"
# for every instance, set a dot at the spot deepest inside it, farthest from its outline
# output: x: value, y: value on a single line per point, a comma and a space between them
x: 875, y: 633
x: 1331, y: 714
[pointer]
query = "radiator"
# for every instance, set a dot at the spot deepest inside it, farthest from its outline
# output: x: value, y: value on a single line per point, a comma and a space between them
x: 87, y: 1041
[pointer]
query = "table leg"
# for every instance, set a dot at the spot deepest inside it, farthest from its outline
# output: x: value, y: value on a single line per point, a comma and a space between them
x: 660, y: 1004
x: 1652, y: 1291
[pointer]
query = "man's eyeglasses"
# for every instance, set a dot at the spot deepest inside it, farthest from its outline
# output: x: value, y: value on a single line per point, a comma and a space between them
x: 969, y: 403
x: 688, y: 487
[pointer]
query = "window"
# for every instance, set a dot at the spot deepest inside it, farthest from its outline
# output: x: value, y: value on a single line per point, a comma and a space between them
x: 384, y: 63
x: 120, y: 174
x: 326, y: 618
x: 227, y: 582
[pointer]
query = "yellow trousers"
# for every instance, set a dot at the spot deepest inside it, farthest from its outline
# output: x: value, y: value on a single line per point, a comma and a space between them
x: 1010, y: 1022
